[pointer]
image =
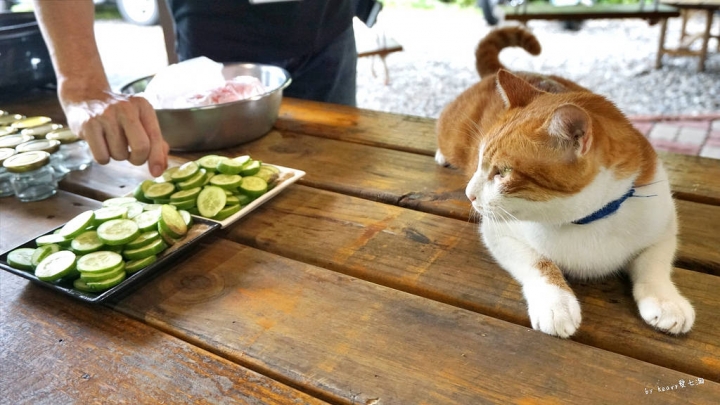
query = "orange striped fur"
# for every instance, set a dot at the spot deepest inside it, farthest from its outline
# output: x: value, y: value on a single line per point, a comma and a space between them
x: 550, y: 135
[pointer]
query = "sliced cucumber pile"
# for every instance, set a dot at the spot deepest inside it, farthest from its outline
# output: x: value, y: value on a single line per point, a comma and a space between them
x: 98, y: 249
x: 213, y: 186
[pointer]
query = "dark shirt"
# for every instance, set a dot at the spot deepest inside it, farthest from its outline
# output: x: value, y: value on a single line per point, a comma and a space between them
x: 237, y: 31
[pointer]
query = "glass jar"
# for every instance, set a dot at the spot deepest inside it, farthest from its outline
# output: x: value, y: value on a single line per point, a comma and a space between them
x: 32, y: 178
x: 50, y: 146
x: 11, y: 141
x: 5, y: 185
x: 74, y: 151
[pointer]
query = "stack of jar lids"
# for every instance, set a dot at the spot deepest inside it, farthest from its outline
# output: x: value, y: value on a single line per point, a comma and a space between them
x: 37, y: 126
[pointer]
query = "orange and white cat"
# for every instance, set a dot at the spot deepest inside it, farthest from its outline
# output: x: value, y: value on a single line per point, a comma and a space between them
x: 565, y: 186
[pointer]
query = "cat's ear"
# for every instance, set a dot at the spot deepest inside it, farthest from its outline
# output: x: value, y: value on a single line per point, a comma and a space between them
x: 569, y: 127
x: 515, y: 91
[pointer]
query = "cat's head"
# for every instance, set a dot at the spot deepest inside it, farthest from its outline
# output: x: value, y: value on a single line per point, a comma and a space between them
x: 538, y: 162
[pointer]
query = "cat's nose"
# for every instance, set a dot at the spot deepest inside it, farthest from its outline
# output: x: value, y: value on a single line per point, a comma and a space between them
x: 472, y: 198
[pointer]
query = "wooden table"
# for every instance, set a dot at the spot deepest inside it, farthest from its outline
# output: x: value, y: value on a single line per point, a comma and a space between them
x: 364, y: 283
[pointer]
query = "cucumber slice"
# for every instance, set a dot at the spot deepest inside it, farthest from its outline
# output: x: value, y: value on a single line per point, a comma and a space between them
x: 42, y: 252
x: 153, y: 248
x: 56, y: 266
x: 185, y: 195
x: 169, y: 240
x: 185, y: 172
x: 102, y: 275
x: 166, y: 177
x: 229, y: 166
x: 183, y: 205
x: 211, y: 200
x: 99, y: 262
x: 152, y: 207
x: 110, y: 202
x: 270, y: 168
x: 147, y: 221
x: 226, y: 212
x: 243, y: 160
x: 197, y: 180
x: 244, y: 200
x: 80, y: 285
x: 253, y: 186
x: 266, y: 174
x: 86, y: 242
x: 159, y: 190
x: 107, y: 213
x: 186, y: 217
x: 21, y: 259
x: 136, y: 265
x: 208, y: 177
x: 232, y: 200
x: 118, y: 231
x: 250, y: 168
x: 106, y: 284
x: 54, y: 238
x: 210, y: 162
x: 133, y: 209
x: 139, y: 192
x: 144, y: 239
x: 172, y: 221
x: 77, y: 225
x: 226, y: 181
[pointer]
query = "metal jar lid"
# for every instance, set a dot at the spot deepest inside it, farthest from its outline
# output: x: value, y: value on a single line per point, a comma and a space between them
x: 41, y: 130
x: 8, y: 119
x: 31, y: 122
x: 3, y: 113
x: 64, y: 135
x: 26, y: 162
x: 47, y: 145
x: 8, y: 130
x: 11, y: 141
x: 6, y: 153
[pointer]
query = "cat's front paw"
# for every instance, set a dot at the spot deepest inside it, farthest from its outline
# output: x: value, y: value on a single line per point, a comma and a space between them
x: 672, y: 314
x: 553, y: 310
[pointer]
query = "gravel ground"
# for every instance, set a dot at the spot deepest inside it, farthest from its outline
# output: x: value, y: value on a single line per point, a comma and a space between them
x: 612, y: 57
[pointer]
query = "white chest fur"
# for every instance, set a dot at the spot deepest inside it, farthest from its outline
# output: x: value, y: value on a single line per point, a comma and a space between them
x: 600, y: 247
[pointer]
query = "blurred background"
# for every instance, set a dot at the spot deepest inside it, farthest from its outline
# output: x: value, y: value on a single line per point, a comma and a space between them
x: 612, y: 57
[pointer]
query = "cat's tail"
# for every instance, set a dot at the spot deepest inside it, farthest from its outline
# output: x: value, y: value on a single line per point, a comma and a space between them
x: 488, y: 50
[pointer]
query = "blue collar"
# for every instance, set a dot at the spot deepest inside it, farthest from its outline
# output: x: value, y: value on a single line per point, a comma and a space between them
x: 607, y: 210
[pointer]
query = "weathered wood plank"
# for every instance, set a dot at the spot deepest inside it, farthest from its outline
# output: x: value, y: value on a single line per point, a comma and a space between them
x: 692, y: 178
x: 22, y: 221
x: 699, y: 237
x: 56, y: 350
x: 358, y: 342
x: 390, y: 177
x: 444, y: 260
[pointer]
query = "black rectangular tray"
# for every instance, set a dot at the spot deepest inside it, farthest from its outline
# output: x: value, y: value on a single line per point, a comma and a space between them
x: 201, y: 228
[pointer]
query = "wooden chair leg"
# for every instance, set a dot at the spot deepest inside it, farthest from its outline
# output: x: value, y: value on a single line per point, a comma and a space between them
x: 661, y: 45
x: 705, y: 39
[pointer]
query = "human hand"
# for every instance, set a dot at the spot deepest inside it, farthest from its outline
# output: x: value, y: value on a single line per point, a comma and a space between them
x: 119, y: 127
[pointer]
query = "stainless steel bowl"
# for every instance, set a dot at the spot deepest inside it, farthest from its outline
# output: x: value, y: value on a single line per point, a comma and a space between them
x: 222, y: 125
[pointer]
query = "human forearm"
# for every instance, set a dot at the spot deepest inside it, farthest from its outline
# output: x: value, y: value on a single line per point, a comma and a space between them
x: 68, y: 29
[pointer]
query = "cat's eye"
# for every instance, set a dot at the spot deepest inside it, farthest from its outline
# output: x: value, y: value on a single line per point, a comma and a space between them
x: 502, y: 172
